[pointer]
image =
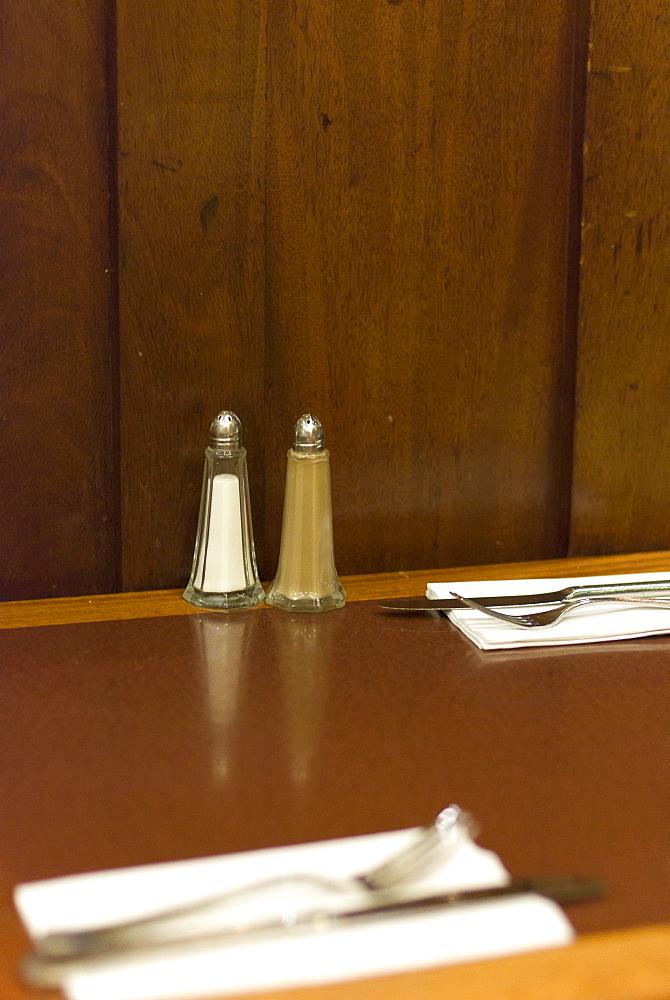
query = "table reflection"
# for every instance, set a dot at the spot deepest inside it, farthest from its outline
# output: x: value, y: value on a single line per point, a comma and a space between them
x: 304, y: 655
x: 222, y: 643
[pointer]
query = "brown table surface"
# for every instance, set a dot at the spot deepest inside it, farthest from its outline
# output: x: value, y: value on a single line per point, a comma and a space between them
x: 135, y: 729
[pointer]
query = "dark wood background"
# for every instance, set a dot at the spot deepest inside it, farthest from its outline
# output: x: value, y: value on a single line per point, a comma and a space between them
x: 440, y: 227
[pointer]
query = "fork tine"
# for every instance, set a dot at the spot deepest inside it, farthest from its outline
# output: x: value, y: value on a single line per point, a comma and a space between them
x: 542, y: 619
x: 523, y: 620
x: 436, y: 840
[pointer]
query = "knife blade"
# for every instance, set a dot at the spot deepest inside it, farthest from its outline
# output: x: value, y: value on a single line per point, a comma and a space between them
x: 48, y: 970
x: 520, y: 600
x: 451, y: 603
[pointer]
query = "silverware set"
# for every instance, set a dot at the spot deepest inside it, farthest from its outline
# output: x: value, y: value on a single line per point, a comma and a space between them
x: 383, y: 890
x: 647, y: 594
x: 433, y: 844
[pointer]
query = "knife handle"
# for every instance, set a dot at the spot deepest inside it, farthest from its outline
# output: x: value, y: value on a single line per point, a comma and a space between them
x: 602, y: 589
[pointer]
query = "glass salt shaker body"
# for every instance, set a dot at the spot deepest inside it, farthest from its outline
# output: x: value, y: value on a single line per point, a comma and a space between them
x: 224, y: 574
x: 306, y: 577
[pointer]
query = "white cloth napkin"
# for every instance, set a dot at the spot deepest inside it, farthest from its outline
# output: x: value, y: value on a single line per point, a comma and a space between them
x: 368, y: 948
x: 589, y: 623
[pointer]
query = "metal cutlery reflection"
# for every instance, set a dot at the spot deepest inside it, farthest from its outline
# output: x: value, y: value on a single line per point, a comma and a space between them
x: 433, y: 844
x: 45, y: 970
x: 543, y: 619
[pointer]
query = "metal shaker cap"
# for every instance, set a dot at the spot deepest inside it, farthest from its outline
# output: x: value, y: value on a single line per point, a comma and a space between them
x: 308, y: 435
x: 225, y: 431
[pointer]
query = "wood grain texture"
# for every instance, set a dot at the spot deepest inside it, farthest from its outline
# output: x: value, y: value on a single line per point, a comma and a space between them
x: 58, y: 464
x: 358, y: 209
x: 418, y: 204
x: 191, y: 191
x: 622, y: 448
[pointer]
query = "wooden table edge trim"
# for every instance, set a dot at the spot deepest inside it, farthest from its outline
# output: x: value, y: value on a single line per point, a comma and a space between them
x: 373, y: 586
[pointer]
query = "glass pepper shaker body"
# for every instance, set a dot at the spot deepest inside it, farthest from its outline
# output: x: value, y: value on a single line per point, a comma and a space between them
x: 224, y: 574
x: 306, y: 577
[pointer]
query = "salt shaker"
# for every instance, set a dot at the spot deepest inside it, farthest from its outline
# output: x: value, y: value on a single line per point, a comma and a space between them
x: 306, y: 578
x: 224, y: 574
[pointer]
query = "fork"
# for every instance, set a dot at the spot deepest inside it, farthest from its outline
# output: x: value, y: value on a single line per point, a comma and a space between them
x: 433, y: 844
x: 543, y: 619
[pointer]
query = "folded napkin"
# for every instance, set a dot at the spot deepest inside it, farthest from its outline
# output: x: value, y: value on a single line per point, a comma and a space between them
x: 588, y: 623
x: 371, y: 947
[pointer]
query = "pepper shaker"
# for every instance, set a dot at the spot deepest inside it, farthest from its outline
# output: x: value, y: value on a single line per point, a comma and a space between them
x: 306, y: 577
x: 224, y: 574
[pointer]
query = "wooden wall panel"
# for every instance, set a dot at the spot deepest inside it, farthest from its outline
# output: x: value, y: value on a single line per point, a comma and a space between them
x: 418, y: 213
x: 356, y: 207
x: 191, y: 93
x: 622, y: 448
x: 58, y: 462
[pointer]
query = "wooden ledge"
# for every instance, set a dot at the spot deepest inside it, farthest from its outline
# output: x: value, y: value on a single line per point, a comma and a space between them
x: 373, y: 586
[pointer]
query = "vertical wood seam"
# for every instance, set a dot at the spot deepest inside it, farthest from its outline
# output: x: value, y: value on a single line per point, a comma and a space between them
x: 582, y: 19
x: 114, y: 333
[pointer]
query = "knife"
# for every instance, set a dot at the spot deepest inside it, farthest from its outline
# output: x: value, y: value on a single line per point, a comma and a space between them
x: 49, y: 970
x: 511, y: 600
